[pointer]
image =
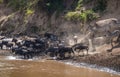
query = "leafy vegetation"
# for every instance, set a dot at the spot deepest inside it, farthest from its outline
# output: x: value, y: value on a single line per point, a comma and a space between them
x: 1, y: 1
x: 79, y: 5
x: 51, y: 5
x: 29, y: 11
x: 88, y: 15
x: 84, y: 16
x: 81, y: 14
x: 31, y: 7
x: 72, y: 16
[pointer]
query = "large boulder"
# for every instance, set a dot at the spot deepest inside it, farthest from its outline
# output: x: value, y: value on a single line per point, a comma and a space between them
x: 105, y: 27
x: 101, y: 32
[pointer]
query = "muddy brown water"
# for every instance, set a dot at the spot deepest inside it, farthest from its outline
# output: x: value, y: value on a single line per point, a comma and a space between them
x: 45, y: 68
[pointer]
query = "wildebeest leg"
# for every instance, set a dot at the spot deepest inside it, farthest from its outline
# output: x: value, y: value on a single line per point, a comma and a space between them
x: 110, y: 50
x: 112, y: 43
x: 29, y: 56
x: 118, y: 40
x: 73, y: 53
x: 87, y: 51
x: 69, y: 53
x: 79, y: 52
x: 117, y: 46
x: 24, y: 56
x: 62, y: 55
x: 56, y: 54
x: 1, y: 46
x: 83, y: 52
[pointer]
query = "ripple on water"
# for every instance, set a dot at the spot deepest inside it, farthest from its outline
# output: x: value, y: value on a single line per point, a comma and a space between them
x: 13, y: 58
x: 1, y: 65
x: 10, y: 57
x: 6, y: 66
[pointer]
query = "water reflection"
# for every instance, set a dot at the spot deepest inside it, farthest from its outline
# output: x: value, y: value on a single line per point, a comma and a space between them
x: 45, y: 68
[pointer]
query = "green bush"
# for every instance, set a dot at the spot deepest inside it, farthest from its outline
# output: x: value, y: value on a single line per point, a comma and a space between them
x: 29, y: 11
x: 89, y: 15
x: 100, y: 5
x: 85, y: 16
x: 79, y: 5
x: 1, y: 1
x: 72, y: 16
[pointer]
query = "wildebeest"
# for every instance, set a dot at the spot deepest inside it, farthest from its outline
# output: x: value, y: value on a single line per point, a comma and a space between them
x: 17, y: 51
x: 40, y: 44
x: 115, y: 40
x: 9, y: 45
x: 53, y: 51
x: 80, y: 47
x: 24, y: 52
x: 64, y: 50
x: 28, y: 43
x: 51, y: 36
x: 6, y: 42
x: 14, y: 40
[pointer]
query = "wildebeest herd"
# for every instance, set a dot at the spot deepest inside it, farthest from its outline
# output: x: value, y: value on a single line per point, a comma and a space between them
x: 49, y: 45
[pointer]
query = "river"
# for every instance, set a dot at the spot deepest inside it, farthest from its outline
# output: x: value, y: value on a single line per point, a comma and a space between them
x: 11, y: 67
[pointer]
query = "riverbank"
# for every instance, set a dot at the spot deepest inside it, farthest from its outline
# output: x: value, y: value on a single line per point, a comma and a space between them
x: 103, y: 58
x: 100, y: 58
